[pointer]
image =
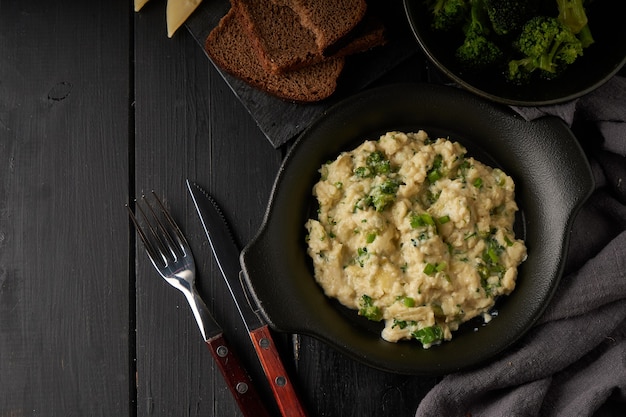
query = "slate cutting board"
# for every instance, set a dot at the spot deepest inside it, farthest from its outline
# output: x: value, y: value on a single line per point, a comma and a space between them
x: 281, y: 120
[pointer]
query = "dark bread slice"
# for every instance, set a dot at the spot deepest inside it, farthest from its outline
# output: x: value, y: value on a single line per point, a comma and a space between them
x: 368, y: 34
x: 229, y: 48
x: 329, y: 20
x: 284, y: 44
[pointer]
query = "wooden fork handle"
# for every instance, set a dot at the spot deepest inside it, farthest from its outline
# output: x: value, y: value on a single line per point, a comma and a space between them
x: 237, y: 378
x: 279, y: 381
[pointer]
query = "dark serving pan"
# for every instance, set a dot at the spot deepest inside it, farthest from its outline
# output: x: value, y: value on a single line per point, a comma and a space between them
x: 552, y: 177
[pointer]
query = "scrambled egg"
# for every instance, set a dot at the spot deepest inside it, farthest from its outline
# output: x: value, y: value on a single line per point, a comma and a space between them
x: 413, y: 232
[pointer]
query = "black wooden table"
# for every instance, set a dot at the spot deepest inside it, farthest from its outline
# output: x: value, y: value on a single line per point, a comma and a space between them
x: 98, y: 106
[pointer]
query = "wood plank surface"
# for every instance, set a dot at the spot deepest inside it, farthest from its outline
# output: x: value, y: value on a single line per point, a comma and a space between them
x: 189, y: 125
x: 63, y: 232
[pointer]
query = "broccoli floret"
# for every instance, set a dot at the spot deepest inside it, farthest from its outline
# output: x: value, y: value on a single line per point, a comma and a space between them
x: 376, y: 164
x: 477, y: 50
x: 572, y: 14
x: 369, y: 310
x: 429, y: 335
x: 509, y: 16
x: 385, y: 194
x: 447, y: 13
x: 548, y: 46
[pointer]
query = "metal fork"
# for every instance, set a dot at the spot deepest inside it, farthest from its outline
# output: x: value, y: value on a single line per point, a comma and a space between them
x: 171, y: 256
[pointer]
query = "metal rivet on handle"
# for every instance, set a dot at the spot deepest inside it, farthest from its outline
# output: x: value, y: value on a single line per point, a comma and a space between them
x: 242, y: 387
x: 281, y: 381
x: 265, y: 343
x: 222, y: 351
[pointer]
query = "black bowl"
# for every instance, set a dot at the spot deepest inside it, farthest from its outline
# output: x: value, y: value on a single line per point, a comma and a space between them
x: 600, y: 61
x: 552, y: 179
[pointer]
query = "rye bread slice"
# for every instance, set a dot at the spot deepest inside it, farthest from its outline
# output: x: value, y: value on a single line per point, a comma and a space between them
x: 369, y: 33
x: 229, y: 47
x: 329, y: 20
x: 284, y: 44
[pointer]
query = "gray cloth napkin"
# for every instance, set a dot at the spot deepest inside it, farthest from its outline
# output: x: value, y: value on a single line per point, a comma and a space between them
x: 573, y: 361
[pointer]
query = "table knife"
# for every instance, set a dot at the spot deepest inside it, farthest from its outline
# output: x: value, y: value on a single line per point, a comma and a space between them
x: 227, y: 256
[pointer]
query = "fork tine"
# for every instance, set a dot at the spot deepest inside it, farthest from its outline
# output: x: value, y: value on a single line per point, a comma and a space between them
x: 159, y: 232
x: 178, y: 234
x: 155, y: 236
x: 153, y: 254
x: 162, y: 237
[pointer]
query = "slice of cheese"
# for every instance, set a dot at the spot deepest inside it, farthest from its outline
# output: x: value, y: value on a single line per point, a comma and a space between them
x: 177, y: 13
x: 139, y: 4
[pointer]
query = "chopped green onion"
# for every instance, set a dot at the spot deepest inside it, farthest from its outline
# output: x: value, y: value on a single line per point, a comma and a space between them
x: 434, y: 175
x: 493, y: 256
x: 408, y: 302
x: 435, y: 171
x: 419, y: 220
x: 362, y: 256
x: 470, y: 236
x: 430, y: 269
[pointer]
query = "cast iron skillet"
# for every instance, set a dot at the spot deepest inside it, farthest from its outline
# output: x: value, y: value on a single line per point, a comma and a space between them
x: 552, y: 178
x: 600, y: 61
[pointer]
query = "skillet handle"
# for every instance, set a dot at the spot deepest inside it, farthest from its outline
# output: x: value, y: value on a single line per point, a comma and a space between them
x: 236, y: 378
x: 279, y: 381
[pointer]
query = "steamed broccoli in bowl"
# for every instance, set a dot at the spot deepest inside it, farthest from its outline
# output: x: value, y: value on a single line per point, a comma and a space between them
x: 547, y: 46
x: 447, y: 13
x: 572, y: 14
x: 509, y: 16
x: 522, y: 39
x: 478, y: 51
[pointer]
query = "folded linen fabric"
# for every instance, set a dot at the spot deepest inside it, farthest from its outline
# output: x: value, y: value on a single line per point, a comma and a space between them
x: 573, y: 361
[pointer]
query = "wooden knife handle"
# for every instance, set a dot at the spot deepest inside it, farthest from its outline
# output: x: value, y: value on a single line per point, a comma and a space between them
x: 237, y: 378
x: 281, y: 385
